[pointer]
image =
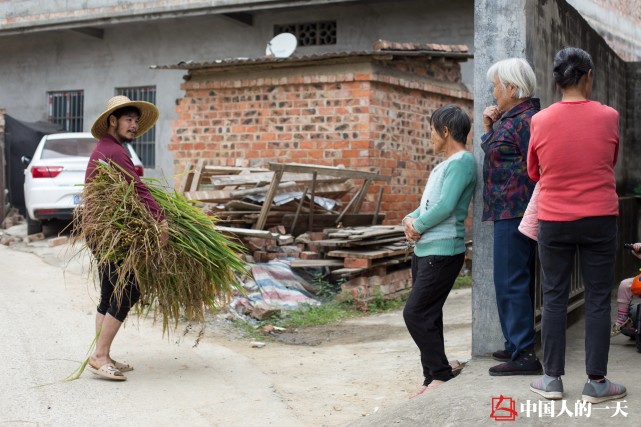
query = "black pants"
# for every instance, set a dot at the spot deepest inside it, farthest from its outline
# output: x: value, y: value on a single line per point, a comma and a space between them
x: 432, y: 281
x: 595, y: 240
x: 108, y: 302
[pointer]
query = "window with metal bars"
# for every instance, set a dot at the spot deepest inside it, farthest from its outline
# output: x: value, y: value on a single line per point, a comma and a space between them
x: 310, y: 33
x: 145, y: 145
x: 66, y: 109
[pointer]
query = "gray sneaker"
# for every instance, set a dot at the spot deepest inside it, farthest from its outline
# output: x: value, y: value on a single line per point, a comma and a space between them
x: 548, y: 387
x: 596, y: 392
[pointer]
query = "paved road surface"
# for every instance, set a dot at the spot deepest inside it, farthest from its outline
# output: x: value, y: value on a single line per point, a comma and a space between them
x: 46, y: 320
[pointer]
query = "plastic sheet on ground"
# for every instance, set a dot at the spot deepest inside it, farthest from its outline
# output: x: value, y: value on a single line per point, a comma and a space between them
x: 274, y: 287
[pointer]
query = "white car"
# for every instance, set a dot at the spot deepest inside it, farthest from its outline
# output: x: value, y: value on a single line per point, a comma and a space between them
x: 54, y: 177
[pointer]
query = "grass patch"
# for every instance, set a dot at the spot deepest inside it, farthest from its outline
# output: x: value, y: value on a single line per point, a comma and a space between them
x: 330, y: 312
x: 335, y: 308
x: 249, y: 330
x: 333, y: 311
x: 463, y: 282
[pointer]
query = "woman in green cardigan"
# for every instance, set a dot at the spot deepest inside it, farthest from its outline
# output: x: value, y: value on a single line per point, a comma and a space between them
x: 437, y: 229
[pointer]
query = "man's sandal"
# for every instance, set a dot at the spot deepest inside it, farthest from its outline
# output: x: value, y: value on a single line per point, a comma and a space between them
x: 107, y: 371
x: 122, y: 367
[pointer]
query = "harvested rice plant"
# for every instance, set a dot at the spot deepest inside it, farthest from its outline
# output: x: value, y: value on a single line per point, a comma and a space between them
x: 198, y: 268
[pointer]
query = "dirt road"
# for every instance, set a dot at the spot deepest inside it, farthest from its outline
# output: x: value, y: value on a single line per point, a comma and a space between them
x: 341, y: 372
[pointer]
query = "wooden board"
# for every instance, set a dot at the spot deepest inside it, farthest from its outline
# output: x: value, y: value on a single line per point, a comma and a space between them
x: 209, y: 196
x: 378, y: 233
x: 328, y: 220
x: 373, y: 254
x: 345, y: 272
x: 247, y: 232
x: 329, y: 170
x: 231, y: 170
x: 366, y: 232
x: 383, y: 262
x: 302, y: 263
x: 340, y: 243
x: 266, y: 178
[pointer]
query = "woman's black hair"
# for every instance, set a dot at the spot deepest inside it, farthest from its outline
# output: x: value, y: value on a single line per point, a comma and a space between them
x: 570, y: 64
x: 455, y: 119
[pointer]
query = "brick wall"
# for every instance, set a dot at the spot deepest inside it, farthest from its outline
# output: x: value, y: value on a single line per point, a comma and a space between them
x: 365, y: 114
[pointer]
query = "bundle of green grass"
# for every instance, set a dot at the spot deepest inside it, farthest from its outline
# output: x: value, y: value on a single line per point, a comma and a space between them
x: 196, y: 271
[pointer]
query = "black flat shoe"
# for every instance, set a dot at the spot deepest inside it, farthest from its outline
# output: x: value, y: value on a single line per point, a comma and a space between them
x: 502, y: 355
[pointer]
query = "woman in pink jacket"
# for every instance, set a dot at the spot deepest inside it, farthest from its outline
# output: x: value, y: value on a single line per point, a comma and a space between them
x: 573, y: 150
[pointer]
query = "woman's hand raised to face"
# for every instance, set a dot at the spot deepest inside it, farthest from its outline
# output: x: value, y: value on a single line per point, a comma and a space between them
x: 490, y: 115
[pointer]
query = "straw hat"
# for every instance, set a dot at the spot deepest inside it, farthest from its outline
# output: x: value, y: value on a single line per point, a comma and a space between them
x: 148, y: 115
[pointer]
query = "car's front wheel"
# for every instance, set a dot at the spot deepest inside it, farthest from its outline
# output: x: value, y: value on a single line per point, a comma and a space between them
x: 33, y: 226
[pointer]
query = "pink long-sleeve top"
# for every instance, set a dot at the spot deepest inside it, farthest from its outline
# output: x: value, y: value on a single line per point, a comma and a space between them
x: 572, y: 153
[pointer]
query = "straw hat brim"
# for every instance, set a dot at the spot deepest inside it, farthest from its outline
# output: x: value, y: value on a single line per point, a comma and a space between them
x: 148, y: 117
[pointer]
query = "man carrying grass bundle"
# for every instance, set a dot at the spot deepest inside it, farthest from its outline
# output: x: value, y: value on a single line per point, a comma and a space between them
x: 122, y: 121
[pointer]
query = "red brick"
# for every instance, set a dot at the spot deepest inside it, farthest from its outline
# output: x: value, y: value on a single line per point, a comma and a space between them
x: 34, y: 237
x: 316, y: 235
x: 58, y: 241
x: 309, y: 255
x: 357, y: 263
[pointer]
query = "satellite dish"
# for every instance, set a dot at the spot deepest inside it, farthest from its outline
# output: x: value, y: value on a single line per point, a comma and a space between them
x: 282, y: 46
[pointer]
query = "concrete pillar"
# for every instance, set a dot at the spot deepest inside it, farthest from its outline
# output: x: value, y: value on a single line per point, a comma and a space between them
x: 499, y: 33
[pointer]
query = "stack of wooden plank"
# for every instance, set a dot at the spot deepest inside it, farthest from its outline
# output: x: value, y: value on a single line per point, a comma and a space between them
x: 235, y: 194
x: 368, y: 259
x: 362, y: 248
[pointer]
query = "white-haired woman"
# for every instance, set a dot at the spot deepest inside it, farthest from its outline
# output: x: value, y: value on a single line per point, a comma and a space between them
x: 506, y: 193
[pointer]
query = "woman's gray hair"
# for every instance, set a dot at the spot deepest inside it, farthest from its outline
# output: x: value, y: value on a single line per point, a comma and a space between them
x: 514, y: 71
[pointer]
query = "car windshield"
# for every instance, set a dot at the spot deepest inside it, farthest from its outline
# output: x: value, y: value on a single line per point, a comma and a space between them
x: 72, y: 147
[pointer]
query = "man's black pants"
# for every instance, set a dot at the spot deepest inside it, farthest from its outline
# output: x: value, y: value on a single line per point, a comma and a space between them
x: 108, y: 302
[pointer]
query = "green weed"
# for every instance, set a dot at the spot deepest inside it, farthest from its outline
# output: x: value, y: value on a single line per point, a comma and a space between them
x: 464, y: 281
x: 329, y: 312
x: 326, y: 290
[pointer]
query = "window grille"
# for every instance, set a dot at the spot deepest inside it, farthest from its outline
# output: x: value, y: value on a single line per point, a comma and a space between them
x: 145, y: 145
x: 310, y: 33
x: 66, y: 109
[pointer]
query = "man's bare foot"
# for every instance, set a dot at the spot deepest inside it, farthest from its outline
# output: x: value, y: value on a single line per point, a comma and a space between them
x: 97, y: 362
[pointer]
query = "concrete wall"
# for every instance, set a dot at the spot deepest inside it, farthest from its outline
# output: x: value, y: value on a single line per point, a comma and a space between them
x: 534, y: 30
x: 500, y: 33
x: 37, y: 15
x: 2, y: 165
x: 632, y: 160
x: 618, y: 22
x: 35, y: 63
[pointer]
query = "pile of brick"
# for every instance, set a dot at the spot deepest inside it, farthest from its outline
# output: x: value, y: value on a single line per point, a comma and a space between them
x: 12, y: 218
x: 369, y: 261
